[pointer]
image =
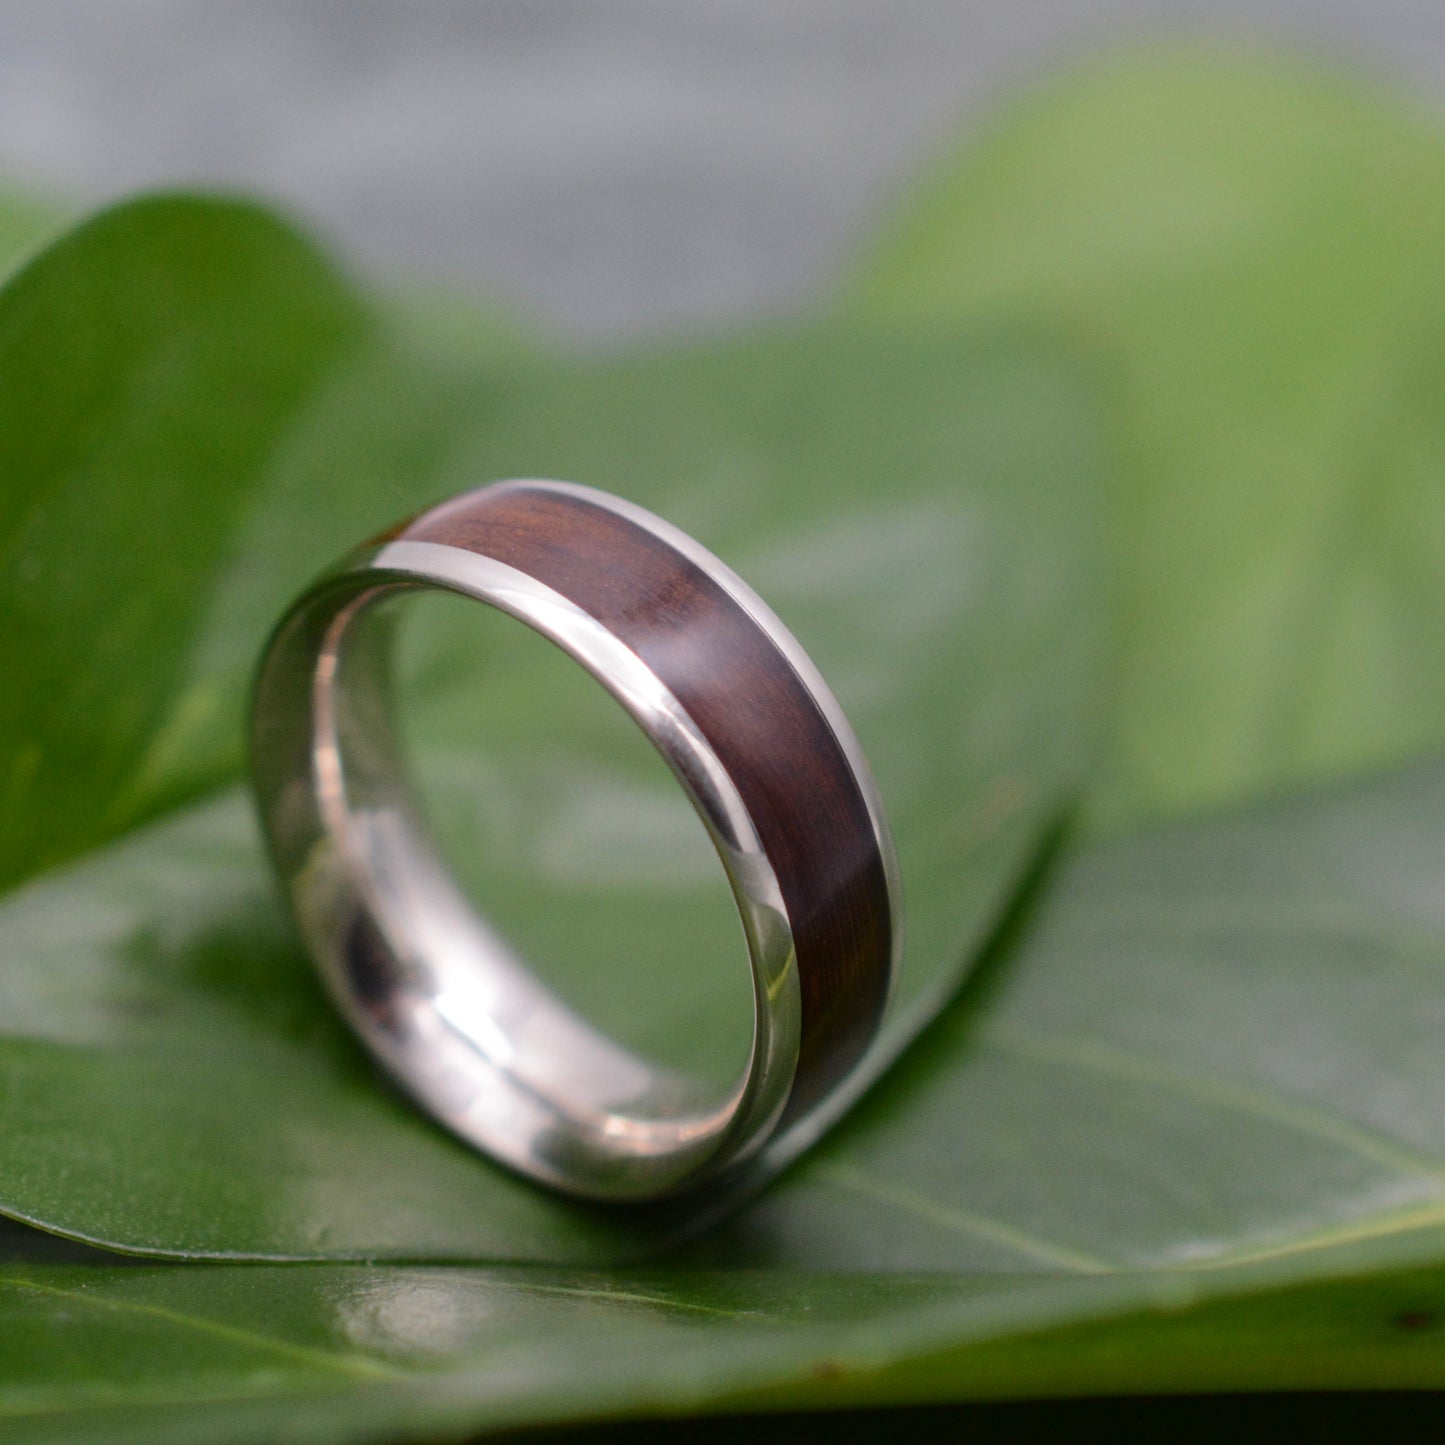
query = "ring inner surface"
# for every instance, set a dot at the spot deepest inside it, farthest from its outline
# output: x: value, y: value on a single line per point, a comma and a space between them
x: 433, y: 983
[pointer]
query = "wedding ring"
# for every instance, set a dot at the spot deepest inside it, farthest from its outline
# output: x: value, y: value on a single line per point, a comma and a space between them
x: 749, y: 729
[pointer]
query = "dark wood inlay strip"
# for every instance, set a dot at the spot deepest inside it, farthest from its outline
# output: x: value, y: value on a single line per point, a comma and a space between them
x: 755, y: 713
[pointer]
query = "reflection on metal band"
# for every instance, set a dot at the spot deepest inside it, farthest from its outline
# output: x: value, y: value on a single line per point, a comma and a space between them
x: 749, y: 730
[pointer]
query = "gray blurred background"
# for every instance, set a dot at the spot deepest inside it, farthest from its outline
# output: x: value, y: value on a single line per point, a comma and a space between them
x: 613, y: 166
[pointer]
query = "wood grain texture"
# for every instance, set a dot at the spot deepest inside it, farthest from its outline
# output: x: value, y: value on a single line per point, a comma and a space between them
x: 755, y: 713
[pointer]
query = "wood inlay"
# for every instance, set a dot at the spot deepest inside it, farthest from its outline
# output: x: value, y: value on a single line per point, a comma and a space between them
x: 756, y: 714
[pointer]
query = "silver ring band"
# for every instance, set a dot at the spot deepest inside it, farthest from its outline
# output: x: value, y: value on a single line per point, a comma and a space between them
x: 751, y: 732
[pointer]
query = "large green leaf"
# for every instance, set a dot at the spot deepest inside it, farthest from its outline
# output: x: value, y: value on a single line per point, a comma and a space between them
x: 1258, y: 241
x: 356, y: 1353
x: 1188, y: 1137
x: 214, y: 419
x: 132, y: 433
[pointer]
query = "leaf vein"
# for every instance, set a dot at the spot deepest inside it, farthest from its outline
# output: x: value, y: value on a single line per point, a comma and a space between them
x: 964, y: 1221
x: 1254, y: 1099
x: 342, y: 1364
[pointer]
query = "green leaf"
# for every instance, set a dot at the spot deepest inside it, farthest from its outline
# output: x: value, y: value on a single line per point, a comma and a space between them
x: 215, y: 418
x: 1258, y: 241
x: 26, y: 220
x: 1188, y: 1137
x: 1215, y: 1045
x: 337, y: 1353
x: 153, y: 361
